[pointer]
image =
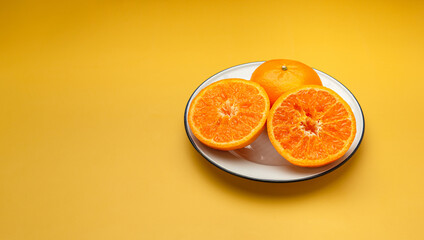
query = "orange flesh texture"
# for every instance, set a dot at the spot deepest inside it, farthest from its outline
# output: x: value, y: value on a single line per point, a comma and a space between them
x: 312, y: 126
x: 276, y: 81
x: 227, y: 112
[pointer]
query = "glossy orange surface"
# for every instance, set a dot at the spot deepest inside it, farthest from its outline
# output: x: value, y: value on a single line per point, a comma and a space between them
x: 281, y: 75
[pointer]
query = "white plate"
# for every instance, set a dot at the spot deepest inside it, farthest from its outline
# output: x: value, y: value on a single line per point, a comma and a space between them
x: 260, y: 161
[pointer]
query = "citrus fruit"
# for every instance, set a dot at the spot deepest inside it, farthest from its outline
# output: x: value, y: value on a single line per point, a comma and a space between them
x: 229, y: 114
x: 311, y: 126
x: 281, y: 75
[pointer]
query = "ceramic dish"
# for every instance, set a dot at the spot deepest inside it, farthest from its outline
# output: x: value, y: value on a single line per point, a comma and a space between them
x: 260, y: 161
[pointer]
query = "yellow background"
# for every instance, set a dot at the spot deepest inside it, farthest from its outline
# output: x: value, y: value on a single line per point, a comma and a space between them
x: 92, y: 140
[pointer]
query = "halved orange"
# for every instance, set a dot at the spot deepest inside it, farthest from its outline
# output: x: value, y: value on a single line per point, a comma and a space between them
x: 311, y: 126
x: 229, y: 114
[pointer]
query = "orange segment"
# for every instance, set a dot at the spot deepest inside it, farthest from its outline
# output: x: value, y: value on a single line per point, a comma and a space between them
x: 336, y: 112
x: 229, y: 114
x: 341, y: 128
x: 311, y: 126
x: 316, y: 149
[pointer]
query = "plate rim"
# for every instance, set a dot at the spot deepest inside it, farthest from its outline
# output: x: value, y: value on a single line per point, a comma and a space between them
x: 270, y: 180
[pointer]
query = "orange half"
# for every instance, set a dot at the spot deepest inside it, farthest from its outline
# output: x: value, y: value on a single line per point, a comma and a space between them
x: 229, y: 114
x: 311, y: 126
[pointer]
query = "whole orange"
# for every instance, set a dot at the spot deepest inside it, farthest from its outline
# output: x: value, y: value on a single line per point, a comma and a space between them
x: 281, y: 75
